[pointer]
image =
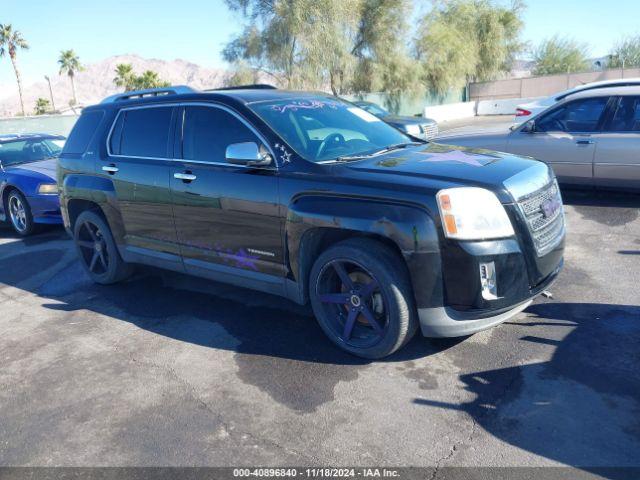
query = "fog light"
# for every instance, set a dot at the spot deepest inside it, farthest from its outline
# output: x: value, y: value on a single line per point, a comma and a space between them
x: 488, y: 281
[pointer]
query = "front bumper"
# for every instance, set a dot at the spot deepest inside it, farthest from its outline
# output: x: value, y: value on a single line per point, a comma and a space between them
x: 449, y: 322
x: 45, y: 209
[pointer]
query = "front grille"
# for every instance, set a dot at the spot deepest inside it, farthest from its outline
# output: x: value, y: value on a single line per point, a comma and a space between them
x: 546, y: 227
x: 429, y: 130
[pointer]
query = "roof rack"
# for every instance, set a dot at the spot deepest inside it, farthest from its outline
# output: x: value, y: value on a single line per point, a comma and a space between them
x: 254, y: 86
x: 151, y: 92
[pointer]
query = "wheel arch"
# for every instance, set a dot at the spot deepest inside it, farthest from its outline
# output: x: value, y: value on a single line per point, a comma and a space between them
x: 86, y: 192
x: 315, y: 223
x: 7, y: 188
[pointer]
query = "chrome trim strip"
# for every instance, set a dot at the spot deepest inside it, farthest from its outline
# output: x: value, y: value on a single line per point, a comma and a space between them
x: 200, y: 104
x: 616, y: 164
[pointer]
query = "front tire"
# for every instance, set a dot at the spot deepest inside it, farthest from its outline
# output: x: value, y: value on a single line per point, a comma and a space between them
x: 98, y: 251
x: 362, y: 297
x: 19, y: 213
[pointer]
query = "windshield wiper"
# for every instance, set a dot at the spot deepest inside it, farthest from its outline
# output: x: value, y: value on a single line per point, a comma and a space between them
x: 395, y: 146
x: 388, y: 148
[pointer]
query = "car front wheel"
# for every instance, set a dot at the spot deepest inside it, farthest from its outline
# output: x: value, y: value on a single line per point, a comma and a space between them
x: 19, y: 213
x: 362, y: 297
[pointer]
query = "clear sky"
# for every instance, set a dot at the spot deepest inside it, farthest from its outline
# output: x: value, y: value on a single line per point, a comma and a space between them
x: 196, y: 30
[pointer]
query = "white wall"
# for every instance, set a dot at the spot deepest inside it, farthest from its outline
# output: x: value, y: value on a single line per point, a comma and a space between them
x: 451, y: 111
x: 53, y: 124
x: 501, y: 106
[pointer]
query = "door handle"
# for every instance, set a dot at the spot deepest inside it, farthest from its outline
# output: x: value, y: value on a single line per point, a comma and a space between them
x: 110, y: 169
x: 584, y: 142
x: 186, y: 177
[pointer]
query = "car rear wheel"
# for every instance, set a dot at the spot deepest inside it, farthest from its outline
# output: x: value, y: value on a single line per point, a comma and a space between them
x: 98, y: 251
x: 19, y: 214
x: 362, y: 297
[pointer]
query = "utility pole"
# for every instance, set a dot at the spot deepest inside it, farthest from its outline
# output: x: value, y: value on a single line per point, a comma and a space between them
x: 53, y: 104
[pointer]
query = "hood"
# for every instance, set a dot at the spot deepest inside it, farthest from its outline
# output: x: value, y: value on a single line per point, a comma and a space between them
x: 476, y: 131
x: 406, y: 120
x: 46, y: 168
x: 450, y: 165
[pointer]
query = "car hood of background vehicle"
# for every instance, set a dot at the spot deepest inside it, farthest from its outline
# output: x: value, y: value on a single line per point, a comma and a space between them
x: 475, y: 131
x: 449, y: 164
x: 402, y: 120
x: 46, y: 168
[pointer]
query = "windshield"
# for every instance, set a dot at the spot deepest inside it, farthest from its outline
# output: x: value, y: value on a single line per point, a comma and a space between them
x: 29, y: 150
x: 322, y: 129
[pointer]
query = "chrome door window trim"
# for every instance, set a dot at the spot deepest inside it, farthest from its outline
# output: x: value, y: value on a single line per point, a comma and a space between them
x: 200, y: 162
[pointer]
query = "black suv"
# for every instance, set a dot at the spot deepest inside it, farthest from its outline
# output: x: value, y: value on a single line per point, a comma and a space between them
x: 309, y: 197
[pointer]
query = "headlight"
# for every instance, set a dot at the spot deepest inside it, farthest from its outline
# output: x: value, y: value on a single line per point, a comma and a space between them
x: 470, y: 213
x: 48, y: 189
x: 413, y: 130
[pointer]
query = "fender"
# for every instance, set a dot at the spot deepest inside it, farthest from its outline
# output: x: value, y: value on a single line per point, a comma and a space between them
x: 3, y: 186
x: 94, y: 189
x: 409, y: 228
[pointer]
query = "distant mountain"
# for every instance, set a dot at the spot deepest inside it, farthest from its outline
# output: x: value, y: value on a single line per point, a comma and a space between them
x: 96, y: 82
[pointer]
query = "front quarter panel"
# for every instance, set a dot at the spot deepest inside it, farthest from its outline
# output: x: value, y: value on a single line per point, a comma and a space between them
x: 407, y: 227
x: 27, y: 183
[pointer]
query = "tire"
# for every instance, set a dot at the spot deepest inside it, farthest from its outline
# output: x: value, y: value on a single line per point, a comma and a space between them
x: 19, y: 214
x: 356, y: 285
x: 97, y: 250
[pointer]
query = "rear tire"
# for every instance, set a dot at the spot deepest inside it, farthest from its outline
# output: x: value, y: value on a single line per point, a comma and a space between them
x: 362, y: 297
x: 98, y: 251
x: 19, y: 214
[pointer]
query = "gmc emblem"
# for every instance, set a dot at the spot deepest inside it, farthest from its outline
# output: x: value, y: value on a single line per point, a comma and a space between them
x: 550, y: 207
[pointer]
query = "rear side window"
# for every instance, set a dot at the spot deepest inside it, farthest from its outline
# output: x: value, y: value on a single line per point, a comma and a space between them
x: 145, y: 132
x: 83, y: 132
x: 208, y: 131
x: 627, y: 116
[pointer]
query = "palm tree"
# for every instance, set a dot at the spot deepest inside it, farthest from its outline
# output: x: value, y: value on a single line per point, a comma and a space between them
x: 42, y: 106
x: 149, y: 79
x: 10, y: 41
x: 70, y: 64
x: 124, y: 76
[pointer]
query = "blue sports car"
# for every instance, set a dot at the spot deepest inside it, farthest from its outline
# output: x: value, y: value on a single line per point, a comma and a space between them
x: 28, y: 187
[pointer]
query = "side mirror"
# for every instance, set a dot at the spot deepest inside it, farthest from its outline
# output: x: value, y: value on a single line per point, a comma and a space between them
x: 529, y: 127
x: 247, y: 153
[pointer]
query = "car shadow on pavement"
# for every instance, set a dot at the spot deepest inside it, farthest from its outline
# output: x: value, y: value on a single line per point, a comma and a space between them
x: 600, y: 198
x: 171, y: 304
x: 277, y: 345
x: 563, y: 408
x: 613, y: 208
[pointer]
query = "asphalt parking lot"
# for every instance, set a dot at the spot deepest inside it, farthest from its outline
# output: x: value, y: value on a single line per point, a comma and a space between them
x: 152, y: 373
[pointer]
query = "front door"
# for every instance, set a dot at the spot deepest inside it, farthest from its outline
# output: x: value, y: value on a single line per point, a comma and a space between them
x: 564, y: 139
x: 227, y: 216
x: 138, y: 163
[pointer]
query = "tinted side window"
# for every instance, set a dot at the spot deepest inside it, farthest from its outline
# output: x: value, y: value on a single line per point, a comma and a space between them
x: 627, y: 115
x: 208, y: 131
x: 145, y: 132
x: 83, y: 132
x: 578, y: 116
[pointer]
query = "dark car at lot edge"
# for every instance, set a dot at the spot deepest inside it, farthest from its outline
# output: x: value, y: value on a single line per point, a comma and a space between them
x: 311, y: 198
x: 28, y: 190
x: 420, y: 127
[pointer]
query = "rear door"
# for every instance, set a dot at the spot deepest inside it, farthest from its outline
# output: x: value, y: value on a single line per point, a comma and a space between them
x: 564, y: 139
x: 138, y: 162
x: 227, y: 216
x: 617, y: 157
